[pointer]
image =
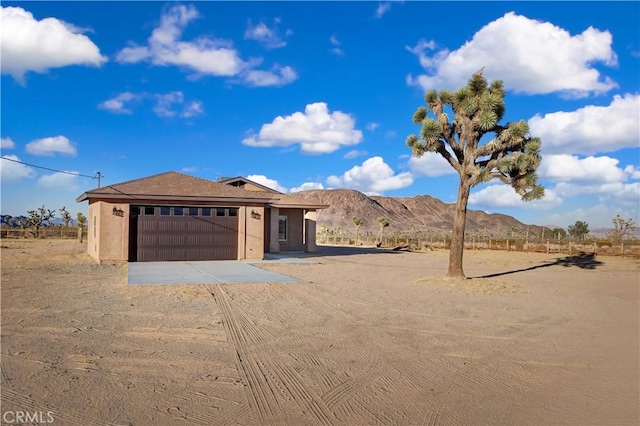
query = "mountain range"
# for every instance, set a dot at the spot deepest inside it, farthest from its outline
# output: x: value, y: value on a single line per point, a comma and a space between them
x: 405, y: 214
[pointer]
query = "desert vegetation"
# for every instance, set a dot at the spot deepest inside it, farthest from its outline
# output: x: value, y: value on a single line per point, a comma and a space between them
x: 41, y: 223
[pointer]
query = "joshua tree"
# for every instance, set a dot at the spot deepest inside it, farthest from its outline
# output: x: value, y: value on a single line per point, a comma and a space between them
x: 621, y: 227
x: 65, y: 216
x: 82, y: 220
x: 37, y: 220
x: 511, y: 156
x: 383, y: 222
x: 358, y: 222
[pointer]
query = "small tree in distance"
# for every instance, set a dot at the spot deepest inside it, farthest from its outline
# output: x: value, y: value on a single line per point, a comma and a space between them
x: 383, y: 222
x: 38, y: 219
x: 512, y: 156
x: 559, y: 233
x: 579, y: 230
x: 621, y: 228
x: 82, y: 220
x: 358, y: 222
x: 65, y: 216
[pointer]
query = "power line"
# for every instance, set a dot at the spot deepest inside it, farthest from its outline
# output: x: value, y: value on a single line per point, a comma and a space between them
x: 98, y: 175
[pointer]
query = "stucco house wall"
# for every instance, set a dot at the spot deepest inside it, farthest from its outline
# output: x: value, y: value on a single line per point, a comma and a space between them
x: 108, y: 238
x: 295, y: 225
x: 251, y: 233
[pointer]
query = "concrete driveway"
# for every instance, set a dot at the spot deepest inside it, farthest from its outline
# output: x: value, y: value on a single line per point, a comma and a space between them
x: 201, y: 272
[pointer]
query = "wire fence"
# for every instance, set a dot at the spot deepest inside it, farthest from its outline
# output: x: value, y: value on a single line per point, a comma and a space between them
x: 432, y: 241
x: 48, y: 232
x: 627, y: 247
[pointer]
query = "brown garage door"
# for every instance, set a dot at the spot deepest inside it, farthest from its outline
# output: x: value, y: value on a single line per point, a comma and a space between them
x: 183, y: 233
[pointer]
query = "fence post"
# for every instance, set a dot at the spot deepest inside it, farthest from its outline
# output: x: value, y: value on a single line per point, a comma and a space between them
x: 570, y: 244
x: 548, y: 247
x: 621, y: 249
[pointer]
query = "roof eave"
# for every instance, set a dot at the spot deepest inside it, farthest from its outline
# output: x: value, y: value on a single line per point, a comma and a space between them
x: 146, y: 197
x: 299, y: 206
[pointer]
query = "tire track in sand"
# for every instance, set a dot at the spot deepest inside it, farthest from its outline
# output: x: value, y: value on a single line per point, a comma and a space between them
x: 271, y: 386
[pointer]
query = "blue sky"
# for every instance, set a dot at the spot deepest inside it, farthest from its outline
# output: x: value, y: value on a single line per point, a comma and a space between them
x: 299, y: 95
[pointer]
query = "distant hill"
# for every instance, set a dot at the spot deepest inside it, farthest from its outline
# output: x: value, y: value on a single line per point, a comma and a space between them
x: 420, y: 213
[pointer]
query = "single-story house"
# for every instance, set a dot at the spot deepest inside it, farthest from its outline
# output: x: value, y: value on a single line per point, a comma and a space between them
x: 174, y: 216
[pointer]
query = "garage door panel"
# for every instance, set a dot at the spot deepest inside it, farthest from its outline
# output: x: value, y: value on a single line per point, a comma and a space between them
x: 186, y: 238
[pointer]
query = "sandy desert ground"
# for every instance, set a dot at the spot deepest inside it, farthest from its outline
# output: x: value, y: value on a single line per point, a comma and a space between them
x: 369, y: 338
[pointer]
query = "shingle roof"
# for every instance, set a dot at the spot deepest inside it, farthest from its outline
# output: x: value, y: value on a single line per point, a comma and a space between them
x: 233, y: 180
x: 179, y: 186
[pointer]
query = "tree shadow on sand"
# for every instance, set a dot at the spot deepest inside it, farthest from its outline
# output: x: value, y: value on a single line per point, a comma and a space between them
x: 582, y: 260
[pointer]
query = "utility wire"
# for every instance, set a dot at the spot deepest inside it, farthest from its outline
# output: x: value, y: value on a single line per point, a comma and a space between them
x: 98, y: 175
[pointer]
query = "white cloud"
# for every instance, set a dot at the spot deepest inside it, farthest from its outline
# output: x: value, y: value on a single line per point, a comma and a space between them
x: 372, y: 126
x: 117, y: 105
x: 50, y: 146
x: 534, y: 57
x: 382, y: 9
x: 354, y: 154
x: 7, y: 143
x: 192, y: 109
x: 316, y: 130
x: 612, y: 190
x: 590, y: 129
x: 268, y: 37
x: 278, y: 76
x: 31, y: 45
x: 597, y: 216
x: 632, y: 171
x: 589, y: 170
x: 335, y: 43
x: 307, y: 186
x: 626, y: 194
x: 374, y: 176
x: 502, y: 196
x: 430, y: 164
x: 170, y: 104
x: 269, y: 183
x: 202, y: 55
x: 59, y: 181
x: 12, y: 171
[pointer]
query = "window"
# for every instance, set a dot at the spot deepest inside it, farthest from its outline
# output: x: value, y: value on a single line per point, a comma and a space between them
x: 135, y: 211
x: 178, y: 211
x: 233, y: 212
x: 282, y: 228
x: 206, y: 211
x: 193, y: 211
x: 220, y: 212
x: 149, y: 211
x: 165, y: 211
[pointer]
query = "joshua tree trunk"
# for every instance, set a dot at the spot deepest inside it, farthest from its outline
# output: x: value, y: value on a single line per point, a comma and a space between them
x: 457, y: 237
